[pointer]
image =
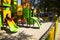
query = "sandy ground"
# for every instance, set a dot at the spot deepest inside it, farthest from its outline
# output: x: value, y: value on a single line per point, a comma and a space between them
x: 26, y: 33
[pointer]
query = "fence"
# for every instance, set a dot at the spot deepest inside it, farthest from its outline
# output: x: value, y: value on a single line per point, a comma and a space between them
x: 51, y: 32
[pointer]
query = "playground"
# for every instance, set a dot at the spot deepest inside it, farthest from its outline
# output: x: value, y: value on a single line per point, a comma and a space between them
x: 10, y: 19
x: 22, y: 22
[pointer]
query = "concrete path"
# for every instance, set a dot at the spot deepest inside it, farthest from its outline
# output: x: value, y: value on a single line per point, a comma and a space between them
x: 27, y: 33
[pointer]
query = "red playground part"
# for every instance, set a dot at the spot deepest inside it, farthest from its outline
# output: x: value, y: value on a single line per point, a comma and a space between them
x: 22, y: 21
x: 9, y: 19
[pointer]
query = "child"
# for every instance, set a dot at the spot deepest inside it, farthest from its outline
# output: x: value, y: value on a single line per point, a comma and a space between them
x: 8, y: 18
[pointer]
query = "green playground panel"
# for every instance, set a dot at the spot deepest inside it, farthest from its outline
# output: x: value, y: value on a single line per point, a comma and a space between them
x: 27, y: 13
x: 33, y: 20
x: 0, y: 20
x: 30, y: 21
x: 36, y: 21
x: 30, y: 13
x: 4, y: 4
x: 14, y: 9
x: 14, y: 0
x: 7, y: 8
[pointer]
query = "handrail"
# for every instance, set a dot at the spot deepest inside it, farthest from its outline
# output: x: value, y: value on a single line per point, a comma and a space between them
x: 51, y: 31
x: 46, y: 32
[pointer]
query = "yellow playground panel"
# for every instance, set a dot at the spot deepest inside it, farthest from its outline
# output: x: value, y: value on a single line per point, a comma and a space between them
x: 0, y: 8
x: 28, y: 5
x: 7, y: 1
x: 51, y: 33
x: 5, y: 12
x: 19, y: 10
x: 0, y: 2
x: 23, y: 1
x: 15, y: 3
x: 45, y: 18
x: 35, y: 11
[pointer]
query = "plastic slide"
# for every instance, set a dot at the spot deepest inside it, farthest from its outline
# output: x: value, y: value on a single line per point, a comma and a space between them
x: 37, y: 21
x: 12, y: 25
x: 0, y: 21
